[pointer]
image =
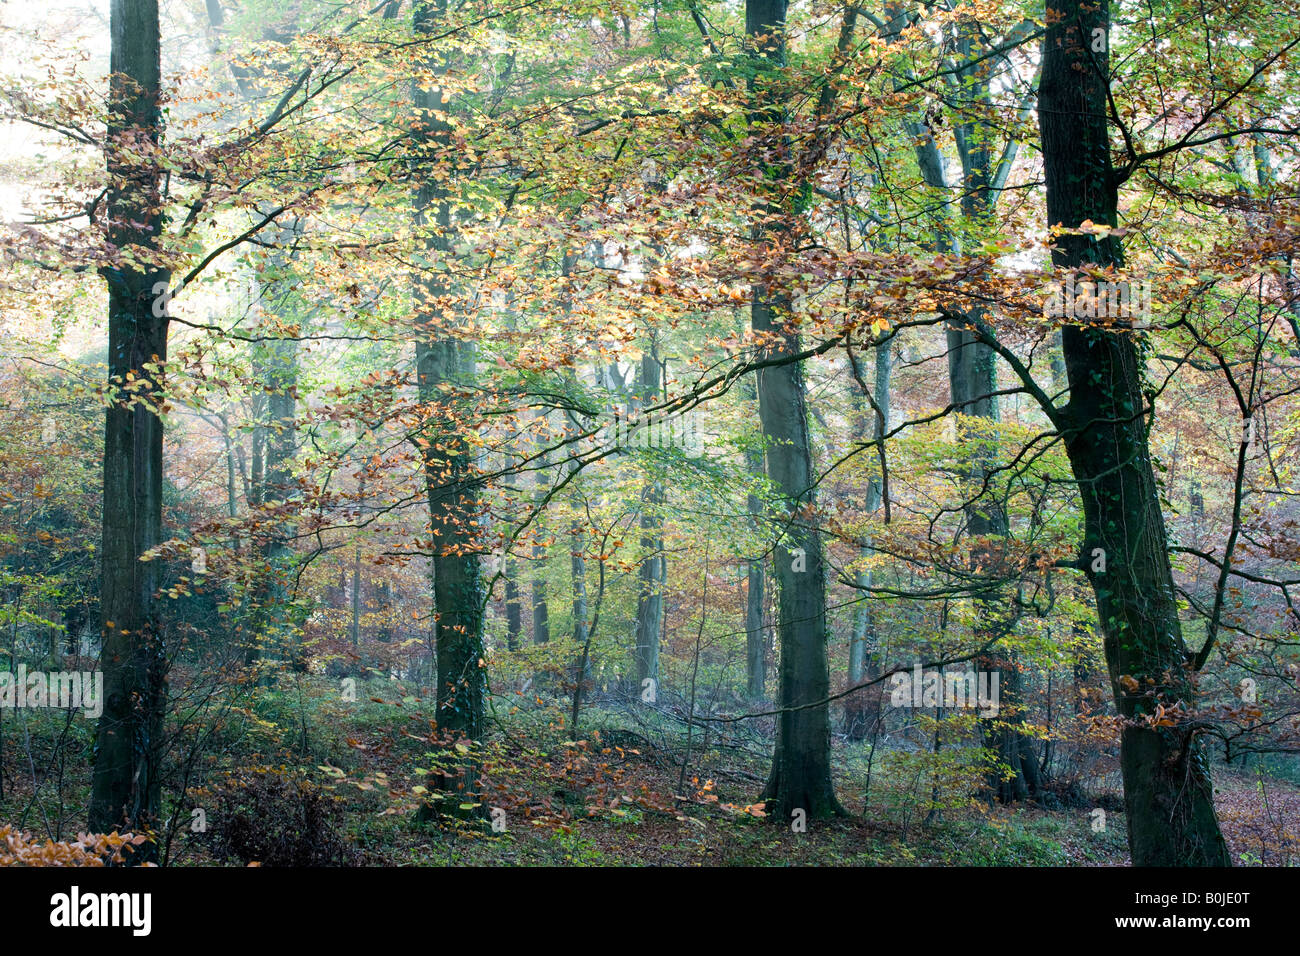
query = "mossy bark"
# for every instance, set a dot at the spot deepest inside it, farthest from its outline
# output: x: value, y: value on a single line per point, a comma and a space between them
x: 1167, y: 788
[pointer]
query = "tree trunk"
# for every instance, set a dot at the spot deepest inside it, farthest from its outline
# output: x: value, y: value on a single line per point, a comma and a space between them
x: 972, y: 377
x: 578, y: 580
x: 126, y: 791
x: 446, y: 362
x: 514, y: 610
x: 541, y: 610
x: 275, y: 372
x: 801, y: 765
x: 275, y: 367
x: 755, y: 635
x: 856, y: 718
x: 651, y: 574
x: 354, y: 629
x: 1167, y: 789
x: 578, y: 575
x: 755, y: 574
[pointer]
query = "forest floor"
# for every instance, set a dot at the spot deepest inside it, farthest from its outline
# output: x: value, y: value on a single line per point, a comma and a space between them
x: 618, y: 798
x: 1259, y: 832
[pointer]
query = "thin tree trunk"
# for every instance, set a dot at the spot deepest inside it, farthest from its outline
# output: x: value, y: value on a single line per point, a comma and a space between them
x: 972, y: 376
x: 755, y: 576
x: 514, y: 609
x: 973, y: 379
x: 275, y: 370
x: 275, y: 366
x: 856, y: 704
x: 354, y: 629
x: 578, y: 574
x: 581, y: 671
x: 652, y: 572
x: 541, y: 610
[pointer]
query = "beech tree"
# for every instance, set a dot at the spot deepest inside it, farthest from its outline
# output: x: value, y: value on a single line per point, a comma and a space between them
x: 1167, y: 790
x: 126, y: 792
x: 445, y: 366
x: 801, y: 773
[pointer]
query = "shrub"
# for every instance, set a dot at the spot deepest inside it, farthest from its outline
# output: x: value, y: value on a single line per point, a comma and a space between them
x: 271, y: 817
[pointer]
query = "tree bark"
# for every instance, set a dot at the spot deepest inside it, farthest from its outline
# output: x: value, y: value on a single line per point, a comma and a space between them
x: 126, y: 791
x: 651, y: 574
x: 514, y: 610
x: 541, y: 609
x: 755, y: 577
x: 445, y: 365
x: 275, y: 369
x: 755, y: 635
x: 856, y: 717
x: 800, y: 778
x: 1167, y: 789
